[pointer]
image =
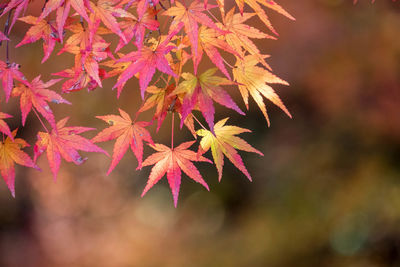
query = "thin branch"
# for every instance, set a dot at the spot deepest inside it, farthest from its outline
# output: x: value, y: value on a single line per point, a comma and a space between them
x: 162, y: 6
x: 6, y: 29
x: 44, y: 4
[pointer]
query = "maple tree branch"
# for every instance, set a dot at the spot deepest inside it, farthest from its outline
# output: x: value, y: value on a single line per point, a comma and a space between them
x: 159, y: 30
x: 44, y: 4
x: 6, y: 28
x: 41, y: 122
x: 163, y: 7
x: 162, y: 77
x: 141, y: 105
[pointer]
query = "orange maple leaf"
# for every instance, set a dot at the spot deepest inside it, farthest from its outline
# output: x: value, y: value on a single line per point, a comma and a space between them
x: 41, y: 29
x: 255, y: 5
x: 127, y: 133
x: 10, y: 153
x: 239, y: 35
x: 254, y: 80
x: 64, y: 142
x: 4, y: 126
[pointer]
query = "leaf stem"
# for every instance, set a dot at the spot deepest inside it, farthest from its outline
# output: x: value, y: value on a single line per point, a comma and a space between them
x: 212, y: 15
x: 172, y: 130
x: 202, y: 126
x: 41, y: 122
x: 227, y: 63
x: 141, y: 105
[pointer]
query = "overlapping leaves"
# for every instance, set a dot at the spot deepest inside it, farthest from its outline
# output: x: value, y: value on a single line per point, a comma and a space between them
x: 159, y: 48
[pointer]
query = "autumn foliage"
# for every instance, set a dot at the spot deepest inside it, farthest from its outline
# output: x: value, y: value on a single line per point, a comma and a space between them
x: 164, y: 43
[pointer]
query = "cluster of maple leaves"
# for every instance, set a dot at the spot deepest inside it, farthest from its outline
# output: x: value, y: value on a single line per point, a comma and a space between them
x: 164, y: 39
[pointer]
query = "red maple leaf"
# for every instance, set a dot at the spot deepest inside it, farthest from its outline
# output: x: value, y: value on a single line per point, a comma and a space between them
x: 63, y: 7
x: 64, y: 142
x: 9, y: 73
x: 171, y: 161
x: 105, y: 11
x: 79, y: 79
x: 17, y: 5
x: 137, y: 27
x: 189, y: 17
x: 145, y: 62
x: 35, y: 94
x: 41, y: 29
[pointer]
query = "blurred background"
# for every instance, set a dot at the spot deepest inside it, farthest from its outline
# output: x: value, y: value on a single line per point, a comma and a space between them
x: 326, y: 193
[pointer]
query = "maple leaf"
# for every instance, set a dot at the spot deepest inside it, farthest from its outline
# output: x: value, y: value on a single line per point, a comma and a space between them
x: 10, y: 153
x: 253, y: 80
x: 210, y: 40
x: 224, y: 142
x: 137, y: 27
x: 141, y: 5
x: 35, y: 94
x: 79, y: 79
x: 4, y: 126
x: 239, y: 35
x: 9, y: 73
x: 83, y: 39
x: 189, y: 17
x: 17, y: 5
x: 127, y: 133
x: 117, y: 67
x: 145, y: 62
x: 106, y: 12
x: 41, y: 29
x: 201, y: 91
x: 254, y: 4
x: 172, y: 161
x: 162, y: 99
x: 89, y: 48
x: 64, y: 142
x: 63, y: 8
